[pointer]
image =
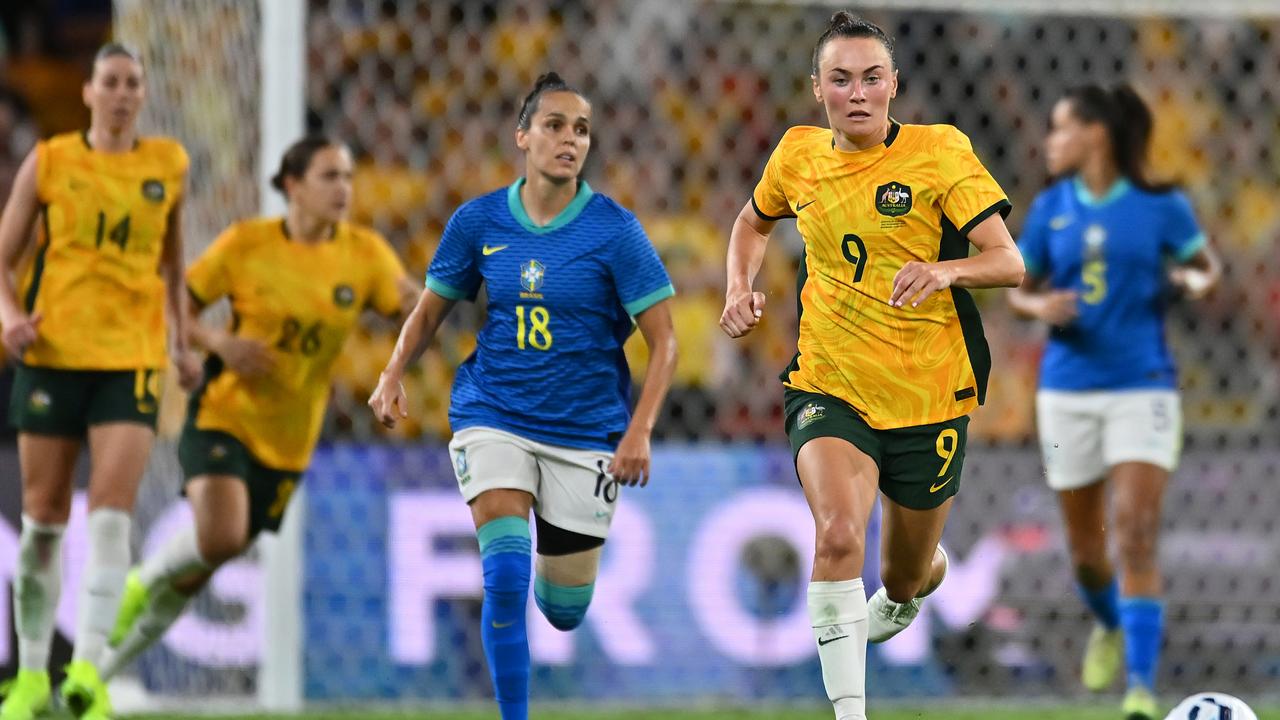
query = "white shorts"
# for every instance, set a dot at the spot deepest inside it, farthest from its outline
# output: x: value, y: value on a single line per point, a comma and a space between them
x: 571, y: 488
x: 1082, y: 434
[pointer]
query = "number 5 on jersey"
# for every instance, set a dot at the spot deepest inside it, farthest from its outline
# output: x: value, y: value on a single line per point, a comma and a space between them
x: 538, y: 333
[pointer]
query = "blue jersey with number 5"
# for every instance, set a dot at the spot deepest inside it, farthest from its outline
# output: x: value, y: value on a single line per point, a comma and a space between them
x: 1113, y: 253
x: 548, y: 363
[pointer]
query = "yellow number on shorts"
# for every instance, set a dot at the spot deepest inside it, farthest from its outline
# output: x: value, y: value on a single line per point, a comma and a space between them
x: 146, y: 388
x: 539, y: 334
x: 948, y: 443
x: 1095, y: 281
x: 284, y: 491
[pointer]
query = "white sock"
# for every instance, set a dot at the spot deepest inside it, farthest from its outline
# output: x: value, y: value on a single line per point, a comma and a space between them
x: 104, y: 575
x: 179, y: 557
x: 838, y: 611
x: 36, y: 588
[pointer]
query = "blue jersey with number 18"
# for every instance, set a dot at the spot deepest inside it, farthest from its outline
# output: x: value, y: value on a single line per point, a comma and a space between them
x: 548, y: 363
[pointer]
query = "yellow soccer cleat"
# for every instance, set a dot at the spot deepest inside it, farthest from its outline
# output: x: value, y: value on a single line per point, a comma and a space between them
x: 84, y: 693
x: 132, y: 602
x: 1103, y: 655
x: 26, y: 696
x: 1140, y: 704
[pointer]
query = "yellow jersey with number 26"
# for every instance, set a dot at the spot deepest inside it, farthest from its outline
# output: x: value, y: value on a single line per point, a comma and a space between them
x: 96, y: 276
x: 301, y: 300
x: 863, y: 215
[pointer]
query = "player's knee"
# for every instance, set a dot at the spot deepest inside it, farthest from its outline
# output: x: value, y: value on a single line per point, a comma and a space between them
x: 504, y: 557
x: 838, y: 540
x: 564, y: 606
x: 219, y: 547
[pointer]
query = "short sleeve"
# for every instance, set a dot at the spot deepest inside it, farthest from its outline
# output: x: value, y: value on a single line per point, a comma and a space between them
x: 1181, y: 237
x: 208, y: 278
x: 769, y: 199
x: 43, y: 171
x: 454, y: 273
x: 1034, y: 240
x: 386, y: 271
x: 969, y: 193
x: 638, y: 273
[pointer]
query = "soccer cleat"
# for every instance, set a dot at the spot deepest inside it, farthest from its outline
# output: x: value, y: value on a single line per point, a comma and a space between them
x: 132, y: 602
x: 1140, y: 704
x: 886, y: 618
x: 84, y: 693
x: 25, y: 696
x: 1103, y: 654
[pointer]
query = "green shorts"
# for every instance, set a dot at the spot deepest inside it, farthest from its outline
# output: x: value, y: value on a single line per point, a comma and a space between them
x: 212, y: 452
x: 49, y: 401
x: 919, y: 466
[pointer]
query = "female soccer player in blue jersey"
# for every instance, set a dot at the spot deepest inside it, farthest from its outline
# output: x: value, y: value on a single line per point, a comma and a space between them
x: 540, y: 411
x: 1103, y: 247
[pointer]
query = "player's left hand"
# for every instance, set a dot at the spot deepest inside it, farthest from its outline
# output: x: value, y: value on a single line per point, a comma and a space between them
x: 630, y: 464
x: 916, y: 281
x: 190, y: 370
x: 1193, y: 283
x: 388, y: 400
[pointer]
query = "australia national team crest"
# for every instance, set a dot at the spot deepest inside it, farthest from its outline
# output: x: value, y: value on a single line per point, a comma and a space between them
x: 344, y: 295
x: 809, y: 415
x: 153, y: 190
x: 531, y: 276
x: 893, y: 199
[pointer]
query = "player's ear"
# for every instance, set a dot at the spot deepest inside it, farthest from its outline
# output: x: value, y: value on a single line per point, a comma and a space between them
x: 893, y: 87
x: 817, y: 89
x: 522, y: 139
x: 86, y: 93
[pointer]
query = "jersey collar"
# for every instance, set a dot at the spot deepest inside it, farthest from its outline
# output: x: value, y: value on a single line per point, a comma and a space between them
x: 566, y: 216
x: 894, y: 127
x: 1086, y: 198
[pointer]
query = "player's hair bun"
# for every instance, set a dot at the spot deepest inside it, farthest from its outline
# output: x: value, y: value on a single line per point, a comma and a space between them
x: 546, y: 82
x: 844, y: 24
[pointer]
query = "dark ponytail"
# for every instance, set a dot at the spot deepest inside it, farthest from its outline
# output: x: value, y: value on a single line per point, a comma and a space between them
x: 297, y: 159
x: 546, y: 82
x: 845, y: 25
x: 1129, y: 124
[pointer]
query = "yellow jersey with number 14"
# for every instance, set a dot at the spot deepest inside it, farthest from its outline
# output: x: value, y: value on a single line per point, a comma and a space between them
x: 301, y: 300
x: 96, y: 276
x: 863, y: 215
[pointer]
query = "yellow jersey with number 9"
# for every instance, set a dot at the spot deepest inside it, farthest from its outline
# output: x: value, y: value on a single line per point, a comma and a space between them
x: 863, y: 215
x: 300, y: 300
x: 96, y: 278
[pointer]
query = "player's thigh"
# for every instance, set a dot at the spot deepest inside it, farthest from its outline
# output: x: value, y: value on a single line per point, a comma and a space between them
x: 217, y: 468
x: 1084, y: 518
x: 577, y: 495
x: 567, y: 558
x: 1070, y: 427
x: 1143, y: 426
x: 837, y: 457
x: 118, y: 453
x: 496, y: 471
x: 51, y: 402
x: 48, y: 465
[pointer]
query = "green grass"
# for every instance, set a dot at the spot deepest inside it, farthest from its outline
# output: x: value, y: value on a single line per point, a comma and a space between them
x: 932, y: 712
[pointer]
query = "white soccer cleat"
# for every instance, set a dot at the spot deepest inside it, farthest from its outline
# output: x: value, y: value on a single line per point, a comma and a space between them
x: 886, y: 618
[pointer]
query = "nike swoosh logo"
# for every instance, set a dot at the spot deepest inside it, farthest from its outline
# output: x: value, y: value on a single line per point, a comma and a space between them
x: 801, y: 207
x: 497, y: 625
x: 491, y: 250
x: 939, y: 486
x: 827, y: 641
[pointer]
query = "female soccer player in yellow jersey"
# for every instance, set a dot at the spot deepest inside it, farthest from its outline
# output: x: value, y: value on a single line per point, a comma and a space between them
x: 89, y: 332
x: 297, y: 287
x: 891, y: 353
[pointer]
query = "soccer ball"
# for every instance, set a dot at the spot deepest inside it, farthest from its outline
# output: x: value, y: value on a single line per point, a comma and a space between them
x: 1212, y: 706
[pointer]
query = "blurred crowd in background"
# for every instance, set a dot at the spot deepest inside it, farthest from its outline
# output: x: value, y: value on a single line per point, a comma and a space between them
x: 688, y: 103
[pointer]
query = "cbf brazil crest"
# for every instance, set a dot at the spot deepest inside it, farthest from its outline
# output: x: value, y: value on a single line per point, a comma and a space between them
x: 531, y: 275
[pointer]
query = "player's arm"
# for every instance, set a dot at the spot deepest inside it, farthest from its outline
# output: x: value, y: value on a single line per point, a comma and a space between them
x: 1034, y: 299
x: 747, y: 241
x: 1199, y: 274
x: 631, y: 460
x: 175, y: 297
x: 388, y: 400
x: 15, y: 236
x: 245, y: 357
x: 997, y: 264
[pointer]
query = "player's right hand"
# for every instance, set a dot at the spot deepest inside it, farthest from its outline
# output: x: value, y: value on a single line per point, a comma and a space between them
x: 1060, y: 307
x: 388, y: 401
x: 19, y: 334
x: 245, y: 357
x: 742, y: 312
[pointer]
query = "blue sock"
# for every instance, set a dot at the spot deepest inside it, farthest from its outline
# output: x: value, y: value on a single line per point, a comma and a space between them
x: 1104, y: 603
x: 564, y: 606
x: 1143, y: 621
x: 505, y: 557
